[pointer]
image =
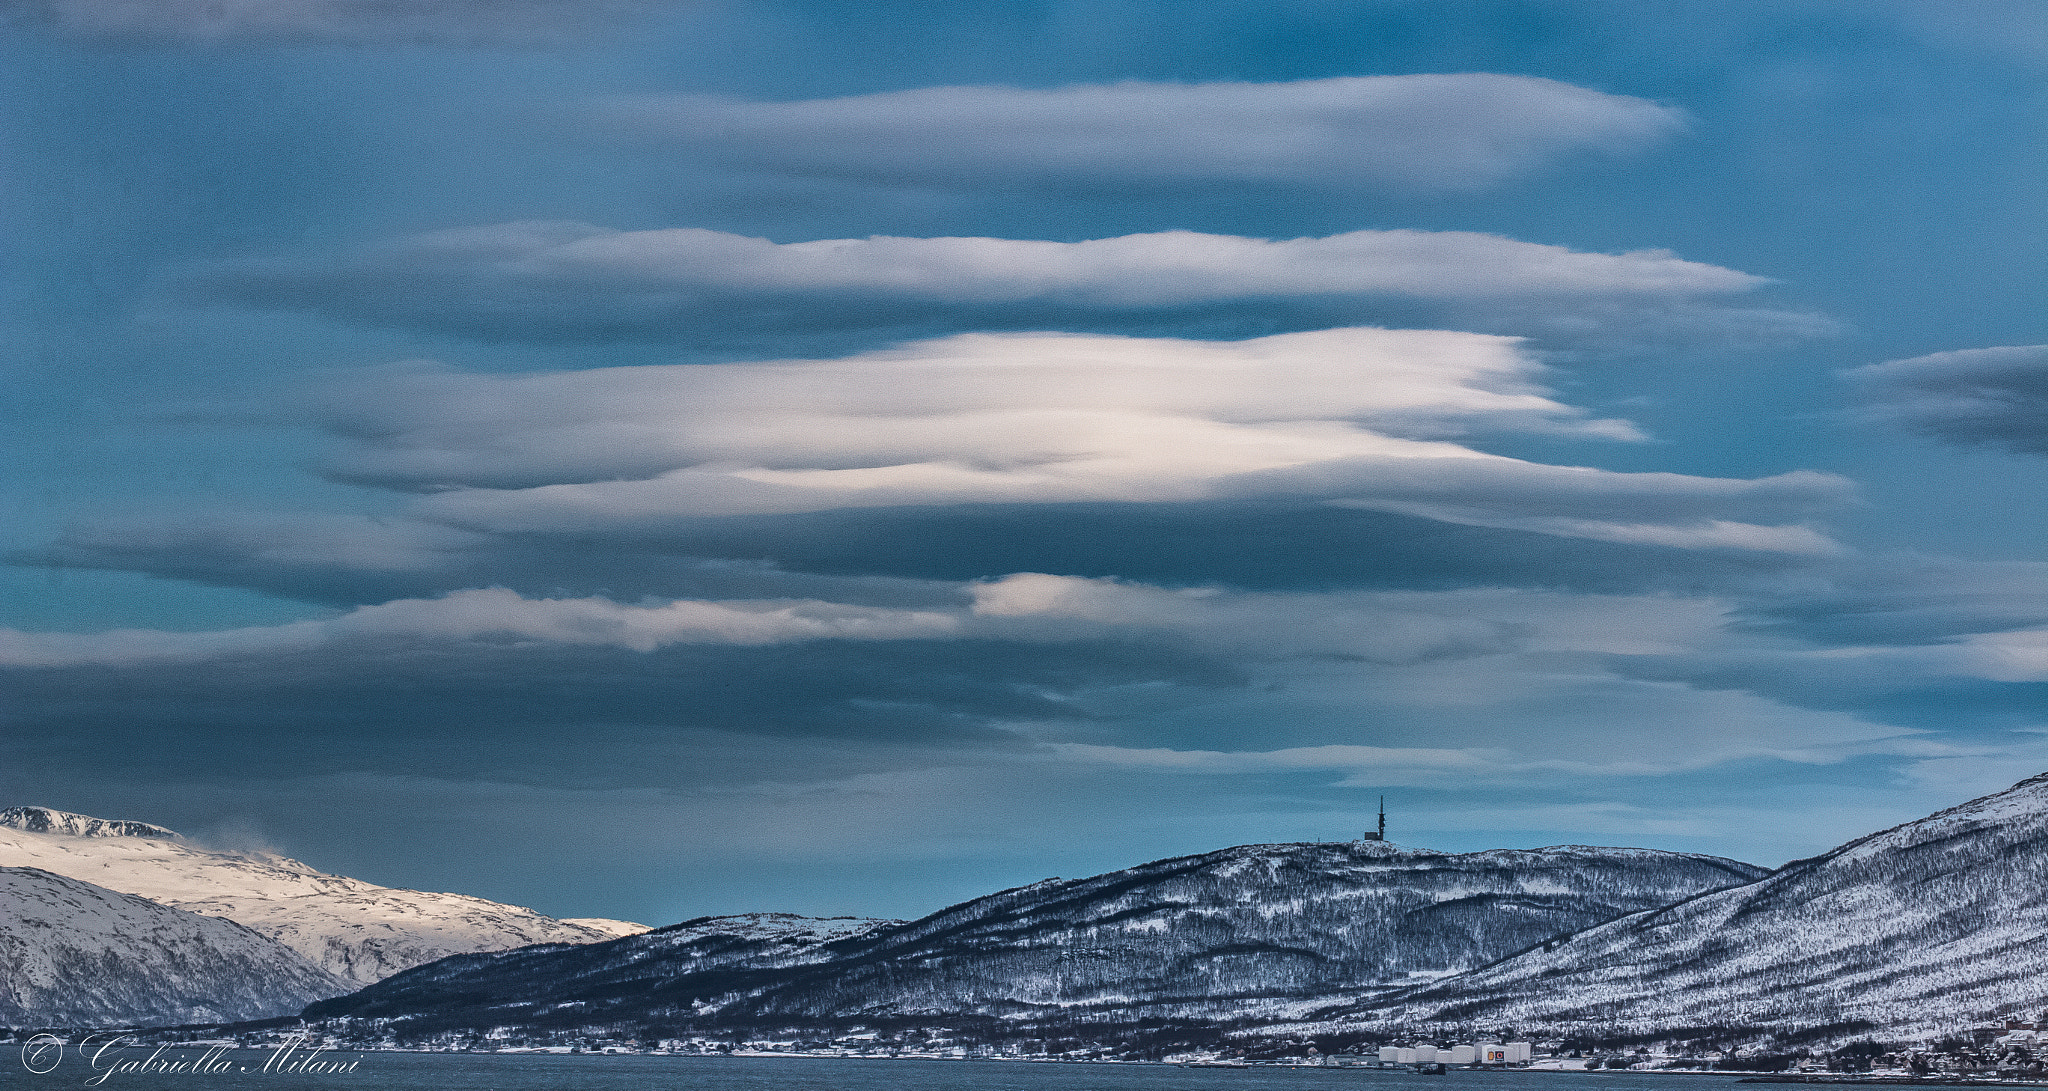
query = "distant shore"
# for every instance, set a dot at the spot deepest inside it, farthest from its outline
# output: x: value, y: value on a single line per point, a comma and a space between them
x: 1903, y: 1081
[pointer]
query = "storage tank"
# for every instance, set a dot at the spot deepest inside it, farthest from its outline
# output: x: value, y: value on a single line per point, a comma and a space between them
x: 1491, y: 1053
x: 1389, y: 1055
x: 1404, y: 1055
x: 1520, y: 1052
x: 1425, y: 1054
x: 1458, y: 1055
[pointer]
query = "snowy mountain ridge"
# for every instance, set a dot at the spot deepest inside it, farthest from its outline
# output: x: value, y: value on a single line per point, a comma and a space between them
x: 2025, y: 803
x: 1917, y: 930
x: 75, y: 954
x: 729, y: 948
x: 1256, y: 932
x: 49, y: 820
x: 356, y: 930
x: 1924, y: 928
x: 786, y: 928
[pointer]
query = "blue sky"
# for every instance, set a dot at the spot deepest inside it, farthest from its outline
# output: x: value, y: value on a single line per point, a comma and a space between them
x: 653, y: 459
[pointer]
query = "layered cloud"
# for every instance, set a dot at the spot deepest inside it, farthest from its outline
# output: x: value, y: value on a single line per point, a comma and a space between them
x: 927, y: 622
x: 1940, y: 644
x: 1358, y: 417
x: 1649, y: 680
x: 1342, y: 688
x: 556, y: 280
x: 1995, y: 397
x: 1417, y: 132
x: 977, y: 417
x: 723, y: 549
x: 1904, y: 600
x: 1022, y: 607
x: 435, y: 21
x: 886, y: 556
x: 1696, y: 730
x: 492, y: 614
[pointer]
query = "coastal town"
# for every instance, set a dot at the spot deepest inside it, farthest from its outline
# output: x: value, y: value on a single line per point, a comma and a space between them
x: 2014, y: 1051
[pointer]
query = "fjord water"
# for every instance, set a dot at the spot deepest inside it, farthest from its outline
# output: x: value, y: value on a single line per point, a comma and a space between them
x: 501, y: 1072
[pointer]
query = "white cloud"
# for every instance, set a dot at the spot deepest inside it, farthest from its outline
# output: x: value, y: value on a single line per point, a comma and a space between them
x: 1347, y: 689
x: 1362, y: 417
x: 536, y: 278
x: 491, y: 614
x: 2005, y: 657
x: 1390, y: 628
x: 1419, y: 131
x: 1164, y: 267
x: 1550, y: 694
x: 1364, y: 627
x: 2017, y: 656
x: 1992, y: 396
x: 1674, y: 510
x: 1693, y: 730
x: 977, y: 416
x: 1387, y: 765
x: 1867, y: 629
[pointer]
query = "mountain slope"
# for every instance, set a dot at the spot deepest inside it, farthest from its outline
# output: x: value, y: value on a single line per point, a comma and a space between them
x: 1927, y: 927
x: 701, y: 949
x: 75, y: 954
x: 1237, y: 934
x: 358, y: 931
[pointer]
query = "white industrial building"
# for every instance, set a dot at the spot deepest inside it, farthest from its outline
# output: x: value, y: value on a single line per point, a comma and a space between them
x: 1478, y: 1053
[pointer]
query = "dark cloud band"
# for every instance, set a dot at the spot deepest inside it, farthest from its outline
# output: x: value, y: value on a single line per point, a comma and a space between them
x: 1996, y: 397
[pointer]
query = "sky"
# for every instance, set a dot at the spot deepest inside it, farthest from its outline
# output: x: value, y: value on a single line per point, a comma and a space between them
x: 658, y: 458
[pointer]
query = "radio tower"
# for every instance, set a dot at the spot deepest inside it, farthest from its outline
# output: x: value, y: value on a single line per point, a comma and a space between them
x: 1382, y: 834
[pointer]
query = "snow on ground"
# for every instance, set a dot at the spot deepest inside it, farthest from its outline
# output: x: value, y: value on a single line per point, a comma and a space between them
x: 359, y: 931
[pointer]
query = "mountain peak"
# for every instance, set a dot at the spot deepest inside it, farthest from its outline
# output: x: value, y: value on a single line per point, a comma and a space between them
x: 1231, y: 938
x: 2021, y: 809
x: 1386, y: 848
x: 357, y: 931
x: 51, y: 820
x: 1917, y: 931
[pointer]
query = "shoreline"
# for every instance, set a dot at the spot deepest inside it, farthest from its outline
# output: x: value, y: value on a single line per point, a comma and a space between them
x: 1905, y: 1081
x: 745, y: 1054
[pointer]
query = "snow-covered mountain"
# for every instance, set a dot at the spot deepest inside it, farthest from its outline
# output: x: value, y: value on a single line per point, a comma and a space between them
x: 741, y: 947
x: 1241, y: 935
x: 358, y: 931
x: 75, y: 954
x: 785, y: 930
x: 45, y: 820
x: 1930, y: 927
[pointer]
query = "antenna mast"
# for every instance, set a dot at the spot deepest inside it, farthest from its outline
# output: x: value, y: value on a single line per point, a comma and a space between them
x: 1382, y: 834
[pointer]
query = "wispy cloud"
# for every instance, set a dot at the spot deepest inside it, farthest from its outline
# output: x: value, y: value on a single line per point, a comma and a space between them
x: 555, y: 281
x: 1414, y: 132
x: 1107, y: 672
x: 1995, y: 397
x: 1811, y: 739
x: 496, y: 615
x: 1903, y: 600
x: 1022, y: 607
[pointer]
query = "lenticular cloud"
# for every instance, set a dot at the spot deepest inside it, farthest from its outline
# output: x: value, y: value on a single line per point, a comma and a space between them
x: 1420, y: 131
x: 1366, y: 418
x: 552, y: 279
x: 492, y: 614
